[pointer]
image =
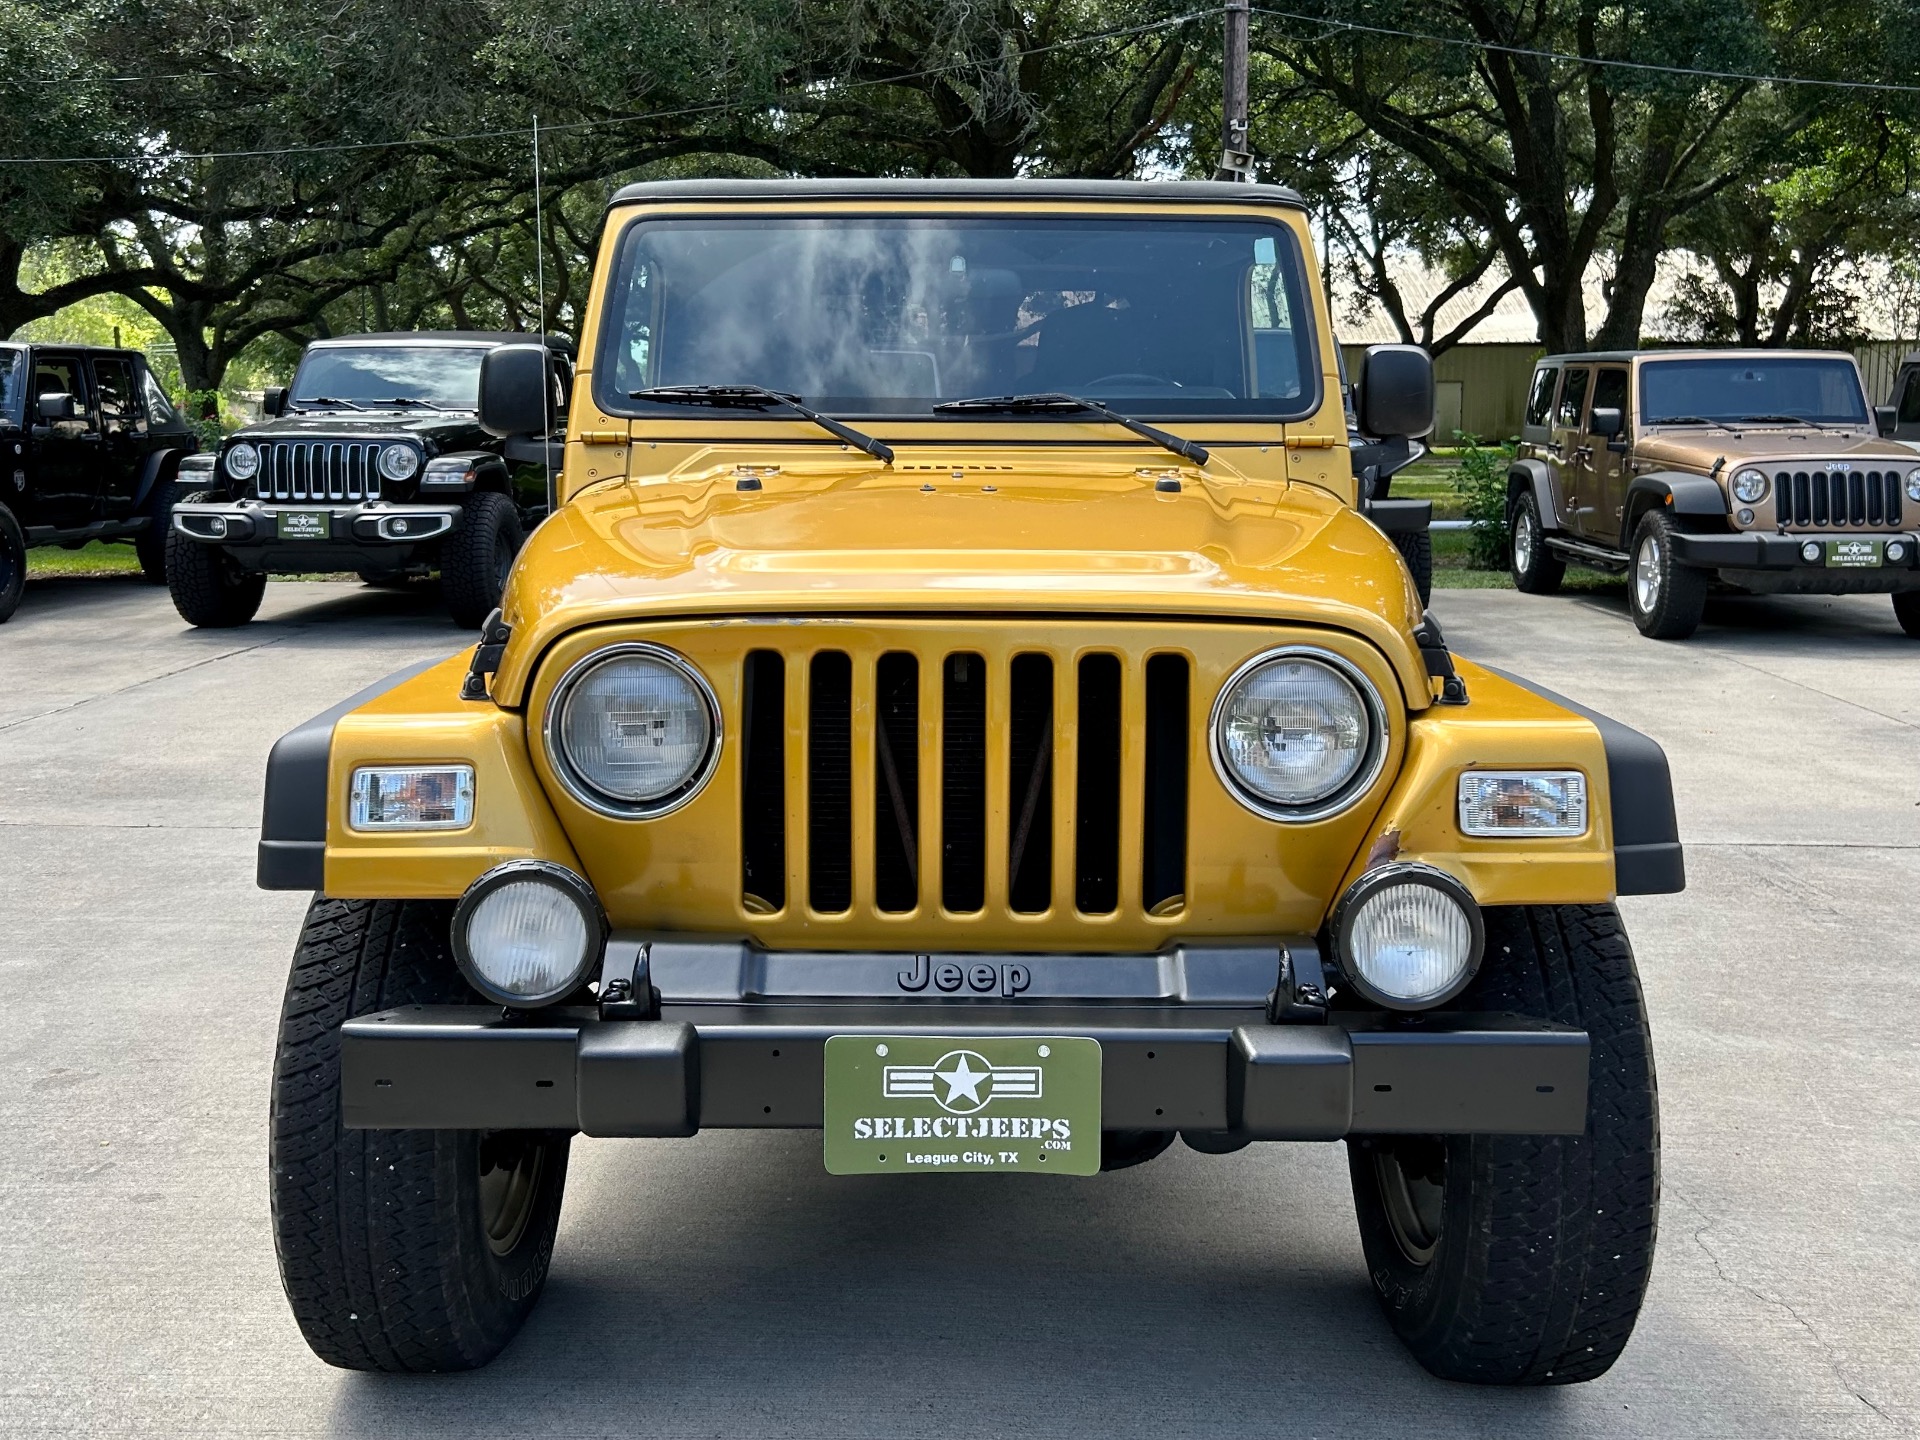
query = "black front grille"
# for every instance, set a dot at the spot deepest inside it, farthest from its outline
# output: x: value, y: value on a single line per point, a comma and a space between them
x: 318, y: 470
x: 1838, y: 499
x: 963, y: 785
x: 830, y: 783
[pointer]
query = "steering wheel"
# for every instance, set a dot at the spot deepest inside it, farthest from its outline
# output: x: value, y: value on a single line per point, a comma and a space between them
x: 1130, y: 377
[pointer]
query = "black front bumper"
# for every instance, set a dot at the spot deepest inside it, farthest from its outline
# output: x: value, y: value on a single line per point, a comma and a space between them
x: 1770, y: 550
x: 376, y: 530
x: 1174, y: 1067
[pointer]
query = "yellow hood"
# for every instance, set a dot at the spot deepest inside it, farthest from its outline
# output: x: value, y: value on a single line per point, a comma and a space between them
x: 832, y: 537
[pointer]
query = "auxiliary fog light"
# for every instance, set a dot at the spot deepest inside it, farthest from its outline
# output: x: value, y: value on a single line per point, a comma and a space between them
x: 1523, y: 802
x: 1408, y: 937
x: 526, y: 933
x: 1810, y: 551
x: 1896, y: 550
x: 411, y: 797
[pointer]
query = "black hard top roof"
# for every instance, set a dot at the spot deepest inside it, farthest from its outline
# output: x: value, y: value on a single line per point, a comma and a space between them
x: 1198, y: 192
x: 1685, y: 352
x: 486, y: 337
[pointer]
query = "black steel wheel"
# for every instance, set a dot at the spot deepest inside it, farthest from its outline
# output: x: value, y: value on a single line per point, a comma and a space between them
x: 1536, y: 569
x: 13, y: 563
x: 1523, y: 1259
x: 208, y: 587
x: 477, y: 557
x: 400, y: 1250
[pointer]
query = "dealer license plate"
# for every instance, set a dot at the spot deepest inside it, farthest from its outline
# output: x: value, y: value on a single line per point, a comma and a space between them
x: 1855, y: 554
x: 305, y: 525
x: 919, y: 1104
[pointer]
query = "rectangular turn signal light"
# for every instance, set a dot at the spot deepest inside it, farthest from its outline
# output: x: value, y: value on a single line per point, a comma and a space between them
x: 1523, y: 802
x: 411, y: 797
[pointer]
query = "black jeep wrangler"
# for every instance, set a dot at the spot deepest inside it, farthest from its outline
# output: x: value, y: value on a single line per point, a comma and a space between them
x: 88, y: 449
x: 374, y: 461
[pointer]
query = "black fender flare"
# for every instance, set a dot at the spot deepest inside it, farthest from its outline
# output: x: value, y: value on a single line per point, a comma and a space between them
x: 1673, y: 490
x: 1534, y: 475
x: 160, y: 468
x: 489, y: 470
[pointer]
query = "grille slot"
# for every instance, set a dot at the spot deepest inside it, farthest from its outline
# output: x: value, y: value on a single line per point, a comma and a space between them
x: 830, y: 783
x: 1096, y: 791
x: 317, y: 470
x: 963, y: 784
x: 1832, y: 499
x: 896, y: 783
x: 1030, y: 784
x: 1163, y: 878
x: 763, y: 782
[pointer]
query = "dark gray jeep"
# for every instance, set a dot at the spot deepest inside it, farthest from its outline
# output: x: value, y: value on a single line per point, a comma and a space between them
x: 373, y: 461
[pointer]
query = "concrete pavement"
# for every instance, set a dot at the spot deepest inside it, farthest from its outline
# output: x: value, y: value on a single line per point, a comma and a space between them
x: 726, y: 1286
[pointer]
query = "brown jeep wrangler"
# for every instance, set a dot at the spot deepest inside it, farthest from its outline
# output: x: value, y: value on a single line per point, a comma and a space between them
x: 1764, y: 468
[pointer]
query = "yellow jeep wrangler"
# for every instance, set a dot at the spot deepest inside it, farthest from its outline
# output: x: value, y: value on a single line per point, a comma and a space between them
x: 962, y: 703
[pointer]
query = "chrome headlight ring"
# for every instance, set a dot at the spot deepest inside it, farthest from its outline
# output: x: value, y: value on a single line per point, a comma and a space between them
x: 1372, y: 761
x: 577, y: 784
x: 242, y: 460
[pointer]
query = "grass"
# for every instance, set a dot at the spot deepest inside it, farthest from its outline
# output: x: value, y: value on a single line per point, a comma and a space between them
x: 1452, y: 570
x: 95, y: 558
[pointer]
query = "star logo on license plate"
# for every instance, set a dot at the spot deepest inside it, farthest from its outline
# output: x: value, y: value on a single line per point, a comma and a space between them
x: 962, y: 1082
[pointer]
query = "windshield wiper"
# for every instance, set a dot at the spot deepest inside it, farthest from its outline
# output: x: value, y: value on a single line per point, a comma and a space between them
x: 758, y: 397
x: 1684, y: 420
x: 413, y: 400
x: 1781, y: 420
x: 1072, y: 404
x: 334, y: 400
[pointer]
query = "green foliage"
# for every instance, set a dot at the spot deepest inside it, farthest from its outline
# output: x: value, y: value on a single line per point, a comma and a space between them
x: 1482, y: 483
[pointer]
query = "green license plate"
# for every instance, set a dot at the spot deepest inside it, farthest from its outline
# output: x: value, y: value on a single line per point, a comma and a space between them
x: 305, y: 525
x: 920, y: 1104
x: 1855, y: 554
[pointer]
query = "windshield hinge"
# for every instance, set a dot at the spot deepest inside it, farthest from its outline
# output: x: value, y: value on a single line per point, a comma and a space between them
x: 494, y: 635
x: 1433, y: 649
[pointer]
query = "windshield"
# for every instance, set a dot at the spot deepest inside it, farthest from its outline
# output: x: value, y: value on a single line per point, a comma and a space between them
x: 891, y: 317
x: 12, y: 371
x: 1825, y: 391
x: 447, y: 376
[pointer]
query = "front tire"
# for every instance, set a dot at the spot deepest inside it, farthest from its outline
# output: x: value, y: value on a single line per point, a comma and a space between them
x: 150, y: 545
x: 476, y: 558
x: 1906, y: 609
x: 1416, y: 548
x: 13, y: 564
x: 208, y: 588
x: 400, y: 1250
x: 1523, y: 1259
x: 1535, y: 569
x: 1667, y: 598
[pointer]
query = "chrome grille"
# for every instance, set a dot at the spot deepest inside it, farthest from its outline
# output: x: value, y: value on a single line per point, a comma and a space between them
x: 1838, y: 499
x: 318, y: 470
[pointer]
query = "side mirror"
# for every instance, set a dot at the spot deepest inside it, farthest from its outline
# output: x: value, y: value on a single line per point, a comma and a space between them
x: 58, y: 406
x: 1396, y: 392
x: 1886, y: 419
x: 513, y: 391
x: 273, y: 400
x: 1606, y: 422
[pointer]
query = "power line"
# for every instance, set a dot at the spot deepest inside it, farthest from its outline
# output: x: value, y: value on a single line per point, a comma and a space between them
x: 829, y: 87
x: 1331, y: 26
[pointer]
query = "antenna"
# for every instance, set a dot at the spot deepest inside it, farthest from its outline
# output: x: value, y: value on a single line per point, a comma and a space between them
x: 540, y: 285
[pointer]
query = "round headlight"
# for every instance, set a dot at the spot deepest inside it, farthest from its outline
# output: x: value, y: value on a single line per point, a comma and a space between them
x: 398, y: 462
x: 1408, y: 937
x: 1296, y: 733
x: 1749, y: 486
x: 634, y: 730
x: 527, y: 933
x: 243, y: 461
x: 1913, y: 485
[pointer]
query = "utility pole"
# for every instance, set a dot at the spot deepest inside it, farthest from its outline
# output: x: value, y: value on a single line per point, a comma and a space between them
x: 1236, y: 157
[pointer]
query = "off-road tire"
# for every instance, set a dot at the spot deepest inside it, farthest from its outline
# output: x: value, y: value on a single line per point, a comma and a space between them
x: 383, y: 1235
x: 208, y: 588
x: 13, y: 564
x: 1906, y: 609
x: 1665, y: 598
x: 1541, y: 1245
x: 475, y: 557
x: 1535, y: 569
x: 151, y: 543
x: 1416, y: 548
